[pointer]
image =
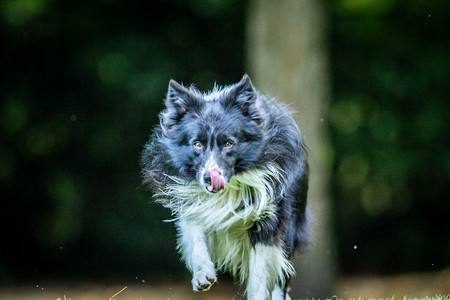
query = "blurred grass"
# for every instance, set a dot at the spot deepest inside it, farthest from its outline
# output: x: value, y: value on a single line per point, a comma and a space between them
x: 414, y: 285
x: 417, y: 286
x: 437, y: 297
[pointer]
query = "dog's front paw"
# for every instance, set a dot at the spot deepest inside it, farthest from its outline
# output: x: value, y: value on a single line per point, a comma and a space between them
x: 203, y: 279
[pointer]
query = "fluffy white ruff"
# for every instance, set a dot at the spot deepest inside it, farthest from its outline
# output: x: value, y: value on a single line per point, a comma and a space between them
x: 226, y: 217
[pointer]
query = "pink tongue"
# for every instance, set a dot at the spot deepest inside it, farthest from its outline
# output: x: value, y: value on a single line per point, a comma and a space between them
x: 217, y: 181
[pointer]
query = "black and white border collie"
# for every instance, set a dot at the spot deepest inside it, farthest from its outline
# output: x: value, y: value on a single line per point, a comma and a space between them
x: 231, y: 165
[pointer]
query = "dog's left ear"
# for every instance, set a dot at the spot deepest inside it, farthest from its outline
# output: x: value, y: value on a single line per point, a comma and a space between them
x: 243, y: 95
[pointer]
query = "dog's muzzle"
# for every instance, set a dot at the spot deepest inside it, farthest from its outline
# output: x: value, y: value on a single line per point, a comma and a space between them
x: 214, y: 181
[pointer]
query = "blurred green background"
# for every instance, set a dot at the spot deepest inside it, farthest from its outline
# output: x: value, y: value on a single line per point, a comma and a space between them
x: 82, y: 83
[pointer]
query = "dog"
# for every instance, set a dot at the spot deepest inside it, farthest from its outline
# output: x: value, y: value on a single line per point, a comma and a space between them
x: 231, y: 165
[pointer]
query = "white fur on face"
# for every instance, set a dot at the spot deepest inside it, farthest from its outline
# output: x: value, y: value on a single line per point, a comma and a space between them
x: 209, y: 165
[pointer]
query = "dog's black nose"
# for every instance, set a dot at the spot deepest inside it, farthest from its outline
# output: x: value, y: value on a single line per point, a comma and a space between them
x: 207, y: 178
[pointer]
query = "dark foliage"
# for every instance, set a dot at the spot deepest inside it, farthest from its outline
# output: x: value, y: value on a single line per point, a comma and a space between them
x: 389, y: 118
x: 82, y: 83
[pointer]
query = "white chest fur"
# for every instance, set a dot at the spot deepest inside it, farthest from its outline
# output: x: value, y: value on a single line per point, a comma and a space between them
x: 225, y: 217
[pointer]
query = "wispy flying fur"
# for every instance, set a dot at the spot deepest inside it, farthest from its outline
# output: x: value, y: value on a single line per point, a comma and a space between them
x: 231, y: 165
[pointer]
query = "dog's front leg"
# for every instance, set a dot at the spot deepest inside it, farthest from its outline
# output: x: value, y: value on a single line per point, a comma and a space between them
x: 192, y: 242
x: 264, y: 271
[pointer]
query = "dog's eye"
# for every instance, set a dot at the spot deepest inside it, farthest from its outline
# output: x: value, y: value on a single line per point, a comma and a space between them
x: 197, y: 145
x: 228, y: 144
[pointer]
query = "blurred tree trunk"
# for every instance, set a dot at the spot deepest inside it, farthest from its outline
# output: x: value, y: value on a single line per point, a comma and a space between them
x: 288, y: 58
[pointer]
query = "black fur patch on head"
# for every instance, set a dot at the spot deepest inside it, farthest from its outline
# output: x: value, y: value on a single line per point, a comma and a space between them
x: 225, y: 116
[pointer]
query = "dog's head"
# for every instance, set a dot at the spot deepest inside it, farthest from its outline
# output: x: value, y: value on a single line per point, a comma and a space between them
x: 212, y: 136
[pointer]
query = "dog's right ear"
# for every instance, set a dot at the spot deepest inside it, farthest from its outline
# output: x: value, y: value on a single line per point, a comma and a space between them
x: 179, y: 101
x: 176, y: 98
